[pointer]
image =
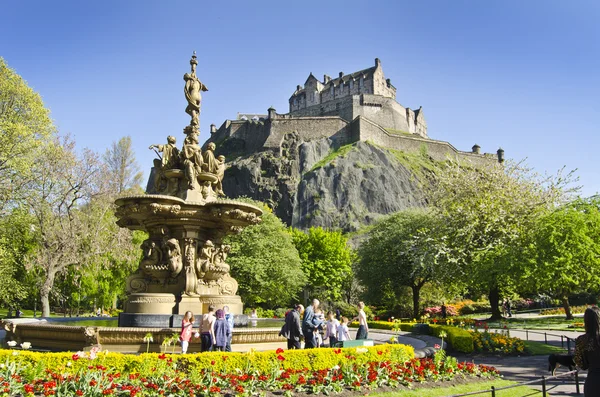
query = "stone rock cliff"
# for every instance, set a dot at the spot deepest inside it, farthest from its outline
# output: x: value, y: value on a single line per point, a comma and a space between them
x: 314, y: 183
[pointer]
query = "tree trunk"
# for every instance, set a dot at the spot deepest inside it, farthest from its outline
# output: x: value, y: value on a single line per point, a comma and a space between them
x: 416, y: 289
x: 494, y: 297
x: 565, y: 302
x: 45, y: 293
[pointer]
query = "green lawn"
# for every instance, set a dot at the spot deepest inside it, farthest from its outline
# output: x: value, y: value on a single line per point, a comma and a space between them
x: 557, y: 323
x: 520, y: 391
x: 542, y: 349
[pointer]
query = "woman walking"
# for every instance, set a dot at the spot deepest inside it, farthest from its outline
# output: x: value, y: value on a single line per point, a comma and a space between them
x: 186, y: 331
x: 587, y: 351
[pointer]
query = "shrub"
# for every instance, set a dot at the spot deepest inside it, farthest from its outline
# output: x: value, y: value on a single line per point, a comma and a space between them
x: 312, y: 359
x: 461, y: 340
x: 497, y: 343
x: 436, y: 311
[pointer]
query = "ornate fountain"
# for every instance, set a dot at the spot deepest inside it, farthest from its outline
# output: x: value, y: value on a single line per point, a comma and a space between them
x: 184, y: 262
x: 184, y: 259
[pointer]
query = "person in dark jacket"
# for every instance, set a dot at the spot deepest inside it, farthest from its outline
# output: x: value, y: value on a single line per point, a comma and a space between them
x: 222, y: 331
x: 292, y: 329
x: 587, y: 351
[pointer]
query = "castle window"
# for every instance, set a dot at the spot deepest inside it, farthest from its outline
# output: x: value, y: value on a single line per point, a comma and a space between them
x: 361, y: 82
x: 341, y: 86
x: 332, y: 90
x: 351, y: 84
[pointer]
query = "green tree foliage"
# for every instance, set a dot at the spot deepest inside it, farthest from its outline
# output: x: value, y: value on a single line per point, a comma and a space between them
x: 407, y: 249
x: 326, y: 261
x: 25, y: 125
x: 487, y: 211
x: 265, y: 263
x: 565, y: 250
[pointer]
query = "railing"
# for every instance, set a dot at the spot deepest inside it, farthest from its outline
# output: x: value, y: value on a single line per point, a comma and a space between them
x: 546, y: 334
x: 543, y: 380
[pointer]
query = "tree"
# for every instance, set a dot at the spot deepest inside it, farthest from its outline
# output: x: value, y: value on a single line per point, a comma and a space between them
x: 123, y: 170
x: 16, y: 242
x: 265, y: 262
x: 25, y: 126
x: 406, y: 249
x: 487, y: 210
x: 61, y: 183
x: 326, y: 261
x: 565, y: 250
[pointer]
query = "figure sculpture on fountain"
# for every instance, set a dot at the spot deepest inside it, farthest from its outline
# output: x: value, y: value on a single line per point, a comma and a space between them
x: 192, y: 89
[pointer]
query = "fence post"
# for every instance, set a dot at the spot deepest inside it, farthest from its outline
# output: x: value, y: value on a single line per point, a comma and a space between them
x: 493, y: 391
x: 577, y: 382
x: 562, y: 341
x: 543, y: 386
x: 526, y: 334
x: 568, y: 344
x: 545, y: 338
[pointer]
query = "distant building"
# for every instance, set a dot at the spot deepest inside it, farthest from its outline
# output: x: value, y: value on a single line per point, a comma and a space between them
x: 364, y: 93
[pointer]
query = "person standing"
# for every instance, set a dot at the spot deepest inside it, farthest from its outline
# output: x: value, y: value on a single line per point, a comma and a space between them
x: 207, y: 329
x: 229, y: 319
x: 221, y: 330
x: 309, y: 323
x: 186, y: 331
x: 342, y: 331
x: 253, y: 318
x: 587, y: 351
x: 444, y: 310
x: 363, y: 328
x: 292, y: 329
x: 508, y: 308
x: 331, y: 329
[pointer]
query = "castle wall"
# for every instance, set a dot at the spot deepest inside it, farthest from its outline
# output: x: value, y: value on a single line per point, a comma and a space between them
x: 384, y: 111
x: 341, y: 107
x: 308, y: 128
x: 438, y: 150
x: 240, y: 136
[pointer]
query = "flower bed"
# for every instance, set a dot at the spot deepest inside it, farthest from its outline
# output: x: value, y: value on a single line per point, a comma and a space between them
x: 561, y: 310
x: 210, y: 374
x: 497, y: 343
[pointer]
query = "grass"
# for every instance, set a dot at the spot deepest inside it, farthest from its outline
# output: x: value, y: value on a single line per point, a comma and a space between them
x: 542, y: 349
x: 339, y: 152
x: 520, y: 391
x: 420, y: 164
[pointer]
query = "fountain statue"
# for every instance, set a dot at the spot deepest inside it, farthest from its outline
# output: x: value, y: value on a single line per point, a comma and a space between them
x: 183, y: 266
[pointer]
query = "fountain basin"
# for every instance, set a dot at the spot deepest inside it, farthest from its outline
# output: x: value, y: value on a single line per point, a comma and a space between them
x: 56, y: 337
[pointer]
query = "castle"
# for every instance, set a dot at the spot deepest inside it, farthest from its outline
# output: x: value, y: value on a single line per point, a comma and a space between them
x: 359, y: 106
x: 365, y: 93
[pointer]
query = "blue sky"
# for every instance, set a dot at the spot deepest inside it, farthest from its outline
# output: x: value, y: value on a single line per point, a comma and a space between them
x: 523, y: 75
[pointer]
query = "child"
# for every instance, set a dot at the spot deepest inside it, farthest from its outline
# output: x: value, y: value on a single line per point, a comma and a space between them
x: 222, y: 331
x: 342, y: 330
x: 331, y: 329
x: 186, y: 331
x: 321, y: 318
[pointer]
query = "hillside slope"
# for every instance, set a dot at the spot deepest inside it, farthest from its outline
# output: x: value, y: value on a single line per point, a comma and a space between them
x: 316, y: 184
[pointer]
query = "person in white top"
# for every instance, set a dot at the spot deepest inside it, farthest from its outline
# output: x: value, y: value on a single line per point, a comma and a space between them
x: 331, y: 329
x: 342, y: 330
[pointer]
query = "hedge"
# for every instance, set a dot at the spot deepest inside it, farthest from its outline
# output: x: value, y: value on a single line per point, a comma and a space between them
x: 459, y: 339
x: 146, y: 363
